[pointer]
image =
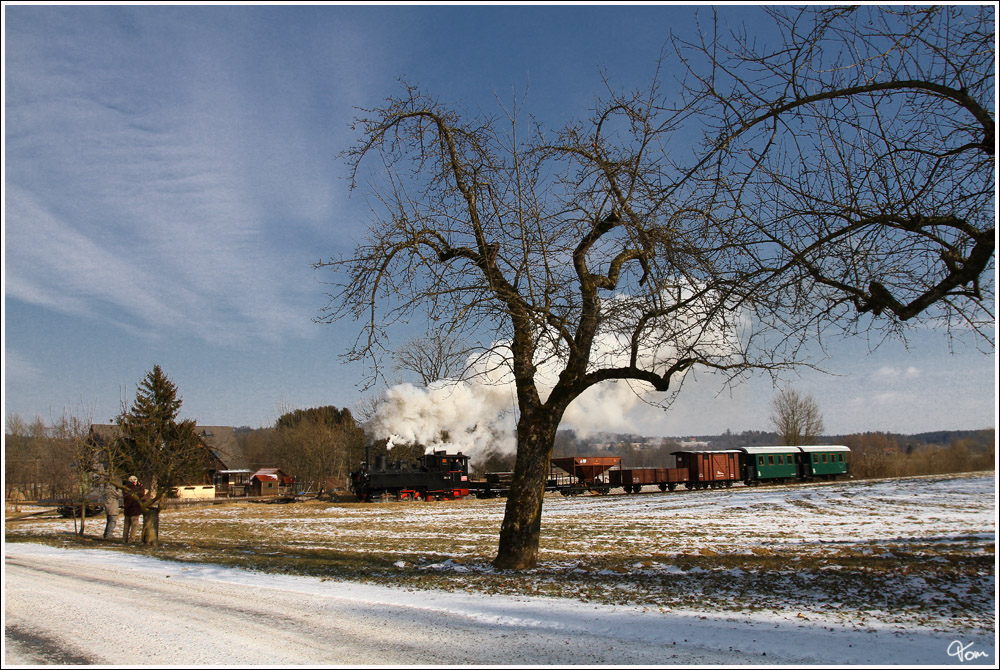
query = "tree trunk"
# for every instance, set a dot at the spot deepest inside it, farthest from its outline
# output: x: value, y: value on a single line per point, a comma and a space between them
x: 151, y: 526
x: 83, y: 511
x: 520, y: 532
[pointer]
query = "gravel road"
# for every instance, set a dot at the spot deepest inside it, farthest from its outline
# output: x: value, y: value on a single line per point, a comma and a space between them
x: 62, y: 612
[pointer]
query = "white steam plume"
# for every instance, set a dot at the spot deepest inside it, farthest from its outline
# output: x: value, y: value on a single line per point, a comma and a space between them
x: 478, y: 414
x: 471, y: 417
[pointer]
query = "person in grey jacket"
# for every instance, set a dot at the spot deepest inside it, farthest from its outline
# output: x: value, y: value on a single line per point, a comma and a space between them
x: 112, y: 504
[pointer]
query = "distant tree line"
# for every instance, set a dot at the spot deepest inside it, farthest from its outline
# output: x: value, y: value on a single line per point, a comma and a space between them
x: 40, y: 461
x: 313, y: 445
x: 321, y: 443
x: 875, y: 455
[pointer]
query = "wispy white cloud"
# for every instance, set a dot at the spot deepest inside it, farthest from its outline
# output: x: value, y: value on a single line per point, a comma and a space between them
x: 17, y: 368
x: 150, y: 172
x: 51, y: 263
x: 888, y: 373
x: 893, y: 397
x: 171, y: 173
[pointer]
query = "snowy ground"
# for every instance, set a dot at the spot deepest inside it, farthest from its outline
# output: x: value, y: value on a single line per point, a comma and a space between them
x: 100, y: 607
x: 896, y: 572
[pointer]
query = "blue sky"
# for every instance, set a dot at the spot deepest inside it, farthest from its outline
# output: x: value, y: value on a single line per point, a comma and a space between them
x: 171, y: 173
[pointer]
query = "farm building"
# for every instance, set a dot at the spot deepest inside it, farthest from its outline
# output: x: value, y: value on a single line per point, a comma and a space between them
x: 271, y: 482
x: 222, y: 441
x: 233, y: 483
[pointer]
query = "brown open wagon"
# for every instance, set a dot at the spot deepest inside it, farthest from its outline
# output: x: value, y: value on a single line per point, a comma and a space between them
x: 586, y: 473
x: 632, y: 480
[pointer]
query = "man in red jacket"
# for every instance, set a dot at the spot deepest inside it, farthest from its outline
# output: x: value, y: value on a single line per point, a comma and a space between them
x: 132, y: 494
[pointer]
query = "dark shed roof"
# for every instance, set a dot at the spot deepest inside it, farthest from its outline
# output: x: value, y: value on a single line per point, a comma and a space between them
x: 220, y: 439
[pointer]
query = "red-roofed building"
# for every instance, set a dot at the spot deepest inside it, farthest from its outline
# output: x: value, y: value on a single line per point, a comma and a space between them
x: 271, y: 482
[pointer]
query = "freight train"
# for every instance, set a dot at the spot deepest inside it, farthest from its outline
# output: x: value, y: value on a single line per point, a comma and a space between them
x: 444, y: 476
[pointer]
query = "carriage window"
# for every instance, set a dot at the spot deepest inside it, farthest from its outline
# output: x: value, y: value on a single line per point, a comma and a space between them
x: 815, y: 458
x: 824, y: 458
x: 770, y: 460
x: 840, y: 457
x: 760, y: 460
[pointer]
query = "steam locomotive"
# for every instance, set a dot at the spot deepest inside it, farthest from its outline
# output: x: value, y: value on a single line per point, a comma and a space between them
x: 436, y: 476
x: 444, y: 476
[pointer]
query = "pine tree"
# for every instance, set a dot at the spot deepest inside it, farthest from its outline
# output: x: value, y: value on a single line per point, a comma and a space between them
x: 161, y: 451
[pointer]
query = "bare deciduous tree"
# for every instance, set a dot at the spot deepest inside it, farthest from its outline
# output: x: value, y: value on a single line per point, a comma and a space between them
x: 44, y: 461
x: 796, y: 418
x: 872, y: 455
x: 432, y: 358
x: 20, y: 465
x: 83, y: 460
x: 862, y: 146
x: 317, y: 443
x: 604, y: 252
x: 599, y: 256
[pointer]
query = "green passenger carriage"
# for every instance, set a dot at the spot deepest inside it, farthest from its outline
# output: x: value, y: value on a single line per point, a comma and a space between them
x: 827, y: 461
x: 769, y: 464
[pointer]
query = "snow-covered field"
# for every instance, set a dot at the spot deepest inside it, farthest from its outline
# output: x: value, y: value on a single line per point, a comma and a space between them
x: 876, y: 572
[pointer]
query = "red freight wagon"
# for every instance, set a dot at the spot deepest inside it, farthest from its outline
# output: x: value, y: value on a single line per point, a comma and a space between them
x: 710, y: 468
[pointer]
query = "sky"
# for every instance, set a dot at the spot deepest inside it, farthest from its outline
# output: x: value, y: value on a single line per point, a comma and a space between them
x: 172, y: 173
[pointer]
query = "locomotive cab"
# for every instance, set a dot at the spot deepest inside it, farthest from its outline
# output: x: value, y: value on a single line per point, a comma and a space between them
x: 441, y: 461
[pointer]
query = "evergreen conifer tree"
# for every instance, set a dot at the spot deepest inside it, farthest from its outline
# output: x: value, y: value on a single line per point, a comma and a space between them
x: 161, y: 451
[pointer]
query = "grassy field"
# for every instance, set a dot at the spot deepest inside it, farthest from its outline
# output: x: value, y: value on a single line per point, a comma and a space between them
x: 902, y: 552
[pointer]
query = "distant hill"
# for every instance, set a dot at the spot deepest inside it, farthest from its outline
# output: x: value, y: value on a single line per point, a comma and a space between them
x: 946, y: 437
x: 983, y: 438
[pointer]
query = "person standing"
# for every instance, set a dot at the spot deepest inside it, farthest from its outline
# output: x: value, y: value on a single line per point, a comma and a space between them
x: 134, y: 493
x: 111, y: 505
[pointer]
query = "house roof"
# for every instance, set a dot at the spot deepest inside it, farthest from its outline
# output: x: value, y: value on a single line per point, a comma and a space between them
x: 272, y: 474
x: 102, y: 433
x: 222, y: 440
